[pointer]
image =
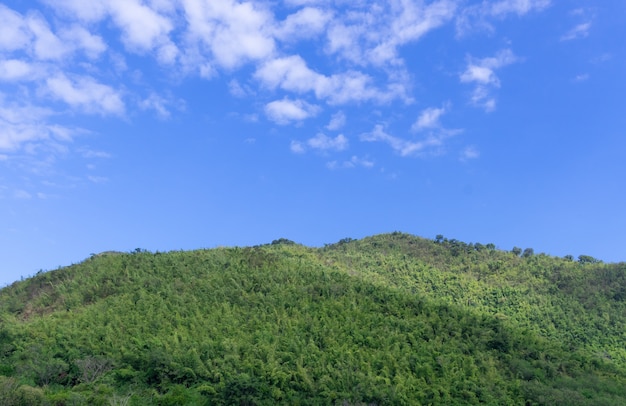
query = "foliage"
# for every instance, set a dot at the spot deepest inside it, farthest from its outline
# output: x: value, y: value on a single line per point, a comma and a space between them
x: 389, y: 319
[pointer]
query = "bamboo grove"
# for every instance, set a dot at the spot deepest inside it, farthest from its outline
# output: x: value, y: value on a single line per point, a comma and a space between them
x: 391, y: 319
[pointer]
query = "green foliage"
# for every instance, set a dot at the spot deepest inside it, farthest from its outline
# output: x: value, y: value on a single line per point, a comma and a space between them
x: 389, y: 319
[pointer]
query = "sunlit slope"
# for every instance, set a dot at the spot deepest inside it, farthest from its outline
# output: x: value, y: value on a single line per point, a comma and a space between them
x: 391, y: 319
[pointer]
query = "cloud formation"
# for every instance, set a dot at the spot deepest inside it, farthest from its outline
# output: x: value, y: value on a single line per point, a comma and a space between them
x: 88, y: 58
x: 481, y: 72
x: 579, y: 31
x: 401, y: 146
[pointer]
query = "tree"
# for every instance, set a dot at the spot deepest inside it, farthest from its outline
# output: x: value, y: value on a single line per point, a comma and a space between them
x: 588, y: 259
x: 283, y: 241
x: 528, y: 252
x: 517, y: 251
x: 91, y: 368
x: 439, y: 238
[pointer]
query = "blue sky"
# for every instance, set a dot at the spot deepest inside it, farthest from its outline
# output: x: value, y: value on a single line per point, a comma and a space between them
x: 186, y: 124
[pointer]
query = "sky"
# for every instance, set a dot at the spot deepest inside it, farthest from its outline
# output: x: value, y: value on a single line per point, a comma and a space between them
x: 186, y: 124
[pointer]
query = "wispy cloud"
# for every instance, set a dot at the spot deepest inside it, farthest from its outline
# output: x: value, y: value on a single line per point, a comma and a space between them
x: 582, y: 77
x: 325, y: 143
x: 90, y: 153
x: 479, y: 16
x: 97, y: 179
x: 321, y: 142
x: 22, y: 124
x: 162, y: 105
x: 481, y: 72
x: 353, y: 162
x: 401, y: 146
x: 86, y: 94
x: 519, y: 7
x: 579, y: 31
x: 337, y: 121
x: 297, y: 147
x: 428, y: 118
x: 469, y: 153
x: 372, y: 34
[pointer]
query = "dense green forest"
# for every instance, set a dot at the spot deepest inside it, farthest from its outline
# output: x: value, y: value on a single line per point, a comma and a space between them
x: 392, y: 319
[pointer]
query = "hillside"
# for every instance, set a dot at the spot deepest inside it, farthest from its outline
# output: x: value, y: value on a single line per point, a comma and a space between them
x: 387, y: 320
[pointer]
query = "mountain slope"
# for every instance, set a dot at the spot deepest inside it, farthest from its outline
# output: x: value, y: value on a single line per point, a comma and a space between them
x: 390, y: 319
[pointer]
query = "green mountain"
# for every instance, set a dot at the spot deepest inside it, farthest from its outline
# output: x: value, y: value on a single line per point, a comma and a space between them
x: 387, y: 320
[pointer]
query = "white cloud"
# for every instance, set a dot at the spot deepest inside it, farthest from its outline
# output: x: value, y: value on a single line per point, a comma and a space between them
x: 143, y: 28
x: 46, y: 46
x: 324, y: 143
x: 353, y: 162
x: 305, y: 23
x: 97, y: 179
x: 399, y: 145
x: 297, y: 147
x: 321, y: 142
x: 371, y: 33
x: 478, y: 16
x: 580, y: 31
x: 337, y: 121
x: 16, y: 70
x: 156, y: 103
x: 80, y: 38
x: 32, y: 33
x: 14, y: 33
x: 519, y: 7
x: 482, y: 72
x: 233, y: 32
x: 292, y: 74
x: 87, y: 94
x: 433, y: 143
x: 285, y: 111
x: 409, y: 23
x: 90, y: 153
x: 481, y: 97
x: 22, y: 124
x: 85, y: 11
x: 469, y: 153
x: 360, y: 43
x: 428, y: 118
x: 22, y: 194
x: 582, y: 77
x: 236, y: 89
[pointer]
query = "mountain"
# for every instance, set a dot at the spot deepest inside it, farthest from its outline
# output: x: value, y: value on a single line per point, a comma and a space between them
x: 391, y: 319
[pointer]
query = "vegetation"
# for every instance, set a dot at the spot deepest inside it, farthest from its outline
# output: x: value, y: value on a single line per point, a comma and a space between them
x: 387, y: 320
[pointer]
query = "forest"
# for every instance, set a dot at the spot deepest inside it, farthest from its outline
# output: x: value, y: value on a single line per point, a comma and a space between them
x: 392, y: 319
